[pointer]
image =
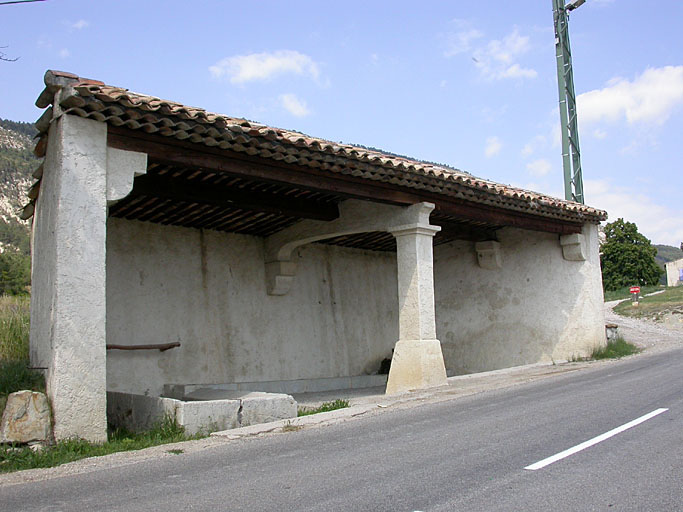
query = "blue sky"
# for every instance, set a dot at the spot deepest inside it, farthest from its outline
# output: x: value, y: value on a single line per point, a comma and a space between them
x: 469, y: 83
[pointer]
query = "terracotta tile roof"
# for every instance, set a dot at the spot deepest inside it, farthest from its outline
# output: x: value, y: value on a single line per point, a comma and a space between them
x: 117, y: 106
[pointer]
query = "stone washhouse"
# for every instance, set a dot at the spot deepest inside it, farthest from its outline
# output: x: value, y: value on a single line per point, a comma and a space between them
x: 176, y: 247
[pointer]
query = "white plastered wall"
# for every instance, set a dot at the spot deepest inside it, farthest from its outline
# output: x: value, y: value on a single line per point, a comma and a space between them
x: 673, y: 273
x: 537, y: 307
x: 207, y: 289
x: 68, y: 277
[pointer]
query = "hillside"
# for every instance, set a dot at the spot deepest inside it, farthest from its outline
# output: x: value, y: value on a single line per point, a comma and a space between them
x: 17, y: 163
x: 667, y: 253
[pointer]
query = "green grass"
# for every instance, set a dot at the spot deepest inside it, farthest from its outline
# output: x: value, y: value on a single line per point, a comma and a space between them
x: 653, y: 306
x: 615, y: 349
x: 325, y: 407
x: 14, y: 361
x: 17, y: 458
x: 624, y: 293
x: 14, y: 328
x: 15, y: 376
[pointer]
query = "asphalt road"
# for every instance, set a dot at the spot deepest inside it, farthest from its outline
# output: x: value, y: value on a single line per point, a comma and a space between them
x: 467, y: 454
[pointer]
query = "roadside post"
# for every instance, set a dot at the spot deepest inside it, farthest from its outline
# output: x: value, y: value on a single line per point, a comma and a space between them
x: 635, y: 291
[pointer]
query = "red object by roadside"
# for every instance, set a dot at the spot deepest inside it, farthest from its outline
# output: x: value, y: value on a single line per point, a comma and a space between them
x: 635, y: 289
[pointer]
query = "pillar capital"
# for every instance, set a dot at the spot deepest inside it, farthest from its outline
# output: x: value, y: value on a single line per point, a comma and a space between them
x: 414, y: 229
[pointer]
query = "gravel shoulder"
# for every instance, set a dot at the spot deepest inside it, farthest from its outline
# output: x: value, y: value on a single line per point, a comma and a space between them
x: 647, y: 334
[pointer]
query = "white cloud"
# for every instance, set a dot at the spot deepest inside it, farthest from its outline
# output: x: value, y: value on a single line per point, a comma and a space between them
x: 599, y: 134
x: 443, y: 83
x: 533, y: 145
x: 461, y: 42
x: 649, y: 98
x: 294, y: 105
x: 539, y: 168
x: 493, y: 147
x: 64, y: 53
x: 263, y: 66
x: 80, y: 24
x: 662, y: 225
x: 497, y: 60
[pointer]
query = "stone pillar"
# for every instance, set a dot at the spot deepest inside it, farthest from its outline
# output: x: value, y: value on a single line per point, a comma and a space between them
x: 417, y: 362
x: 68, y: 308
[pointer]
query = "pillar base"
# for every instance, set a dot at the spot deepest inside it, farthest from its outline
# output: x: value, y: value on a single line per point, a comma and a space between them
x: 416, y: 364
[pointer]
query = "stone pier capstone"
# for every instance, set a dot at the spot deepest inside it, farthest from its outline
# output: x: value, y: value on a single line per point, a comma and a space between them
x: 417, y: 362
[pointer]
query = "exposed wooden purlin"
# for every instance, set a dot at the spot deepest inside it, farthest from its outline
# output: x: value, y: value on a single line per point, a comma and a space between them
x: 139, y: 208
x: 239, y: 164
x: 119, y: 209
x: 223, y: 215
x: 194, y: 215
x: 248, y: 225
x: 172, y: 209
x: 244, y: 224
x: 190, y: 191
x: 235, y: 218
x: 155, y: 210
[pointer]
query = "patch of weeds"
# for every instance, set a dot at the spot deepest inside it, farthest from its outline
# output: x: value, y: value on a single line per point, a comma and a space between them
x: 325, y: 407
x: 16, y: 376
x: 14, y: 328
x: 575, y: 359
x: 288, y: 427
x: 615, y: 349
x: 15, y: 458
x: 175, y: 451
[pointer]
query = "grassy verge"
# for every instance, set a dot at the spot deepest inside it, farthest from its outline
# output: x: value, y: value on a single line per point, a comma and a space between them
x: 654, y: 306
x: 624, y: 293
x: 325, y: 407
x: 615, y: 349
x: 14, y: 329
x: 17, y: 458
x: 15, y: 376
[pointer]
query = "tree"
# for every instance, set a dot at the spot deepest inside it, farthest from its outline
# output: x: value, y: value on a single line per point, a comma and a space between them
x: 627, y: 257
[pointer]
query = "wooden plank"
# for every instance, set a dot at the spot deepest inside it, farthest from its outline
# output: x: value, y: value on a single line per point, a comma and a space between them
x: 176, y: 152
x: 197, y: 192
x: 161, y: 347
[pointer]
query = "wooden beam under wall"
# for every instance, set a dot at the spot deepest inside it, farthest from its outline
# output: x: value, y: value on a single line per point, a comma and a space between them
x: 193, y: 192
x: 186, y: 154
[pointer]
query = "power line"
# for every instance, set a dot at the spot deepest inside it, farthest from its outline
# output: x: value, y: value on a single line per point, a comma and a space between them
x: 20, y: 2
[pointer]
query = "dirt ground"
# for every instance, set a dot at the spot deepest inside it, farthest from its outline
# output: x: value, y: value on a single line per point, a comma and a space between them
x: 647, y: 334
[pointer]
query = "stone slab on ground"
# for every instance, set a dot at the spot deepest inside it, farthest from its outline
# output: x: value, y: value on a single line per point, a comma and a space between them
x: 206, y: 412
x: 26, y: 418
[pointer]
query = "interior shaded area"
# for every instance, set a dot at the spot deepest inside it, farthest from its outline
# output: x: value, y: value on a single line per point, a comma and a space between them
x: 206, y: 199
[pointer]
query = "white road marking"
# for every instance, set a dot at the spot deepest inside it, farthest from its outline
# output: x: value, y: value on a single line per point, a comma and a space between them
x: 571, y: 451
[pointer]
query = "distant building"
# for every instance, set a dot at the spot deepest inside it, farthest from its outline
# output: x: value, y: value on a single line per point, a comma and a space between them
x: 674, y: 272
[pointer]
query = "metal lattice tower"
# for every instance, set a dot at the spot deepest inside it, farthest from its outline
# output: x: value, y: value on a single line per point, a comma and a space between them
x: 571, y: 154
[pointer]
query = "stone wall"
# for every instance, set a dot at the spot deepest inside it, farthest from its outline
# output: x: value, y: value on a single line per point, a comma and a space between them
x: 536, y: 307
x: 207, y: 290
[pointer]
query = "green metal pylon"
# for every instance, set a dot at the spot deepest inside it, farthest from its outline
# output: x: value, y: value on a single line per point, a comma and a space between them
x: 571, y: 154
